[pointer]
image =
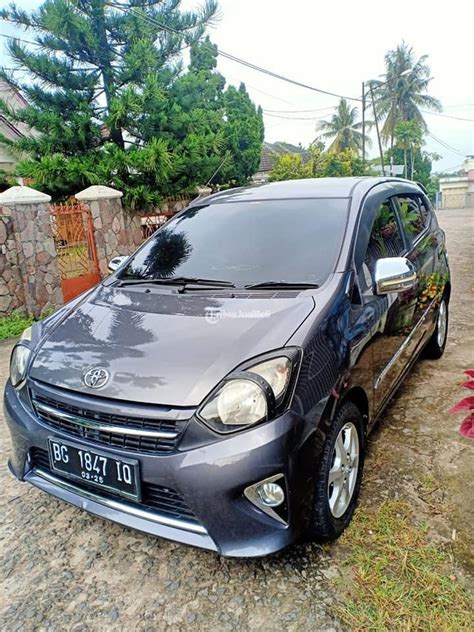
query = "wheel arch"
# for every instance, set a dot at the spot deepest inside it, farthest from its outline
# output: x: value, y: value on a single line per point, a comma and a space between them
x: 447, y: 291
x: 359, y: 398
x: 357, y: 395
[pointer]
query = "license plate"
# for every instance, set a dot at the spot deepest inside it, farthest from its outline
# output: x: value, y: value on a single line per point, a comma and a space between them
x: 120, y: 476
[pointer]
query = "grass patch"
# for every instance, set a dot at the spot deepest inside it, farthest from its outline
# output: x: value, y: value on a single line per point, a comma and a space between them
x: 399, y: 580
x: 14, y: 325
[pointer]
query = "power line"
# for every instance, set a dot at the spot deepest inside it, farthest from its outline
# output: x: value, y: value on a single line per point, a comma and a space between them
x: 446, y: 145
x: 19, y: 39
x: 450, y: 169
x: 272, y: 96
x: 69, y: 69
x: 458, y: 106
x: 275, y: 75
x: 235, y: 59
x: 332, y: 107
x: 245, y: 63
x: 296, y: 118
x: 457, y: 118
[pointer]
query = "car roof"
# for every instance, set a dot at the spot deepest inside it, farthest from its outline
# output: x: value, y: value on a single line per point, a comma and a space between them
x: 294, y: 189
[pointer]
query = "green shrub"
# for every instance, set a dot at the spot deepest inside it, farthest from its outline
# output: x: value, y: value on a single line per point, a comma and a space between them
x: 14, y: 325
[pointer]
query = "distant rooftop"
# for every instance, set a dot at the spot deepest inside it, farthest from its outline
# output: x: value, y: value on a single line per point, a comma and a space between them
x: 271, y: 151
x: 397, y: 170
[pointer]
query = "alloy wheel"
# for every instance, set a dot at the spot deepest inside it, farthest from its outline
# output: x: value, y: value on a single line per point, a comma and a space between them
x: 343, y: 473
x: 442, y: 324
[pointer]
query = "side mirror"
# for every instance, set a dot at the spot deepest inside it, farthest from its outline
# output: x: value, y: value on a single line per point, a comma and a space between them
x: 116, y: 262
x: 394, y: 274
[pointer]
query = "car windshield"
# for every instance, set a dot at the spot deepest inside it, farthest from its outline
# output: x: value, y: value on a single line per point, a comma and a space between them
x: 247, y: 243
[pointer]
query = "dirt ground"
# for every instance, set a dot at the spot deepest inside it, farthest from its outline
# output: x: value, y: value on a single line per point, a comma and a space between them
x: 62, y: 569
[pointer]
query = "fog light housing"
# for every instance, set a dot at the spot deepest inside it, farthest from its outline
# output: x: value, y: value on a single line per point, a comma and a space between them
x: 271, y: 494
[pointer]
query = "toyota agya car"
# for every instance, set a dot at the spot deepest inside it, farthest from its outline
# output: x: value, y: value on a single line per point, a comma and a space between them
x: 217, y: 389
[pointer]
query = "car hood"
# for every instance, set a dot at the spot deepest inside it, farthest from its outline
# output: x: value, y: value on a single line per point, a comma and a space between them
x: 162, y: 347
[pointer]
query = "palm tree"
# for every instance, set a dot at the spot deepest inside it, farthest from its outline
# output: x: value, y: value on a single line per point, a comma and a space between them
x: 402, y: 94
x: 344, y: 129
x: 409, y: 137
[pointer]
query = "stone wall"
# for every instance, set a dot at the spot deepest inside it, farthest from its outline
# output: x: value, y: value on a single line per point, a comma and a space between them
x: 108, y: 223
x: 174, y: 205
x: 30, y: 279
x: 37, y: 258
x: 116, y: 232
x: 12, y: 295
x: 28, y: 266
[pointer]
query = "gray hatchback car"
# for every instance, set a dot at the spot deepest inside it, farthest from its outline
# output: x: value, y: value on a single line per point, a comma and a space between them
x: 217, y: 389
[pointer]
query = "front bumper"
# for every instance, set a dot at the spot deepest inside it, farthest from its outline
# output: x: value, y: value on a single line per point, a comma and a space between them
x: 210, y: 478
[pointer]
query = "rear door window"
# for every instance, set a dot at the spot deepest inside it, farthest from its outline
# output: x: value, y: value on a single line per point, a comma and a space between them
x: 414, y: 215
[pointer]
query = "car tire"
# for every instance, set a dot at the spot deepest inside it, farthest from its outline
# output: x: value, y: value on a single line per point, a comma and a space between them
x: 437, y: 343
x: 331, y: 515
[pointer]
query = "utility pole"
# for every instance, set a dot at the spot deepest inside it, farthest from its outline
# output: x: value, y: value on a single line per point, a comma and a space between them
x: 377, y: 128
x: 363, y: 123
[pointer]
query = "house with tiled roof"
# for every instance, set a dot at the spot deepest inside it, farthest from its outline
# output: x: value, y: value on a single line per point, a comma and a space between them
x: 9, y: 129
x: 270, y: 153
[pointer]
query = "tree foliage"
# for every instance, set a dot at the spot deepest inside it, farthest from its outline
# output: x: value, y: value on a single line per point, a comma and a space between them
x: 402, y: 93
x: 213, y: 132
x: 110, y: 102
x: 243, y: 136
x: 320, y: 164
x: 409, y: 137
x: 422, y: 163
x: 344, y: 130
x: 408, y: 150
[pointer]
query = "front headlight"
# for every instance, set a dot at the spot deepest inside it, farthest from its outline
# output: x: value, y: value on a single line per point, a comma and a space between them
x: 276, y: 372
x: 238, y: 402
x: 19, y: 363
x: 26, y: 335
x: 249, y: 396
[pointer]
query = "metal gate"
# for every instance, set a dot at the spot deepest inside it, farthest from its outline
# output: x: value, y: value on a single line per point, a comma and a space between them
x: 73, y: 234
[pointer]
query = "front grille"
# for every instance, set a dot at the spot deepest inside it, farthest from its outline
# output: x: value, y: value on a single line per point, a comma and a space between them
x: 70, y: 419
x: 164, y: 500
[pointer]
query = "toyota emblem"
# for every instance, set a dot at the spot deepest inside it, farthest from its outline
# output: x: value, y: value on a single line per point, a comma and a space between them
x: 96, y: 377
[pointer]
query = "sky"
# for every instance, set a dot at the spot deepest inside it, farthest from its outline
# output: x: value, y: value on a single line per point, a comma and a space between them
x: 335, y: 46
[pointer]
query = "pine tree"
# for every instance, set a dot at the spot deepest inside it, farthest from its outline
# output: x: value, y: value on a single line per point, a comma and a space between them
x: 243, y: 135
x: 223, y: 123
x: 213, y: 134
x: 93, y: 65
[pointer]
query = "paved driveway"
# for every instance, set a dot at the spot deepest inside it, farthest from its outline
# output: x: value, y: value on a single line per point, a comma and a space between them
x: 63, y: 569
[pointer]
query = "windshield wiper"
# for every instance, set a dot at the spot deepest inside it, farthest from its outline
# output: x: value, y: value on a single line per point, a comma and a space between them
x: 177, y: 281
x: 284, y: 285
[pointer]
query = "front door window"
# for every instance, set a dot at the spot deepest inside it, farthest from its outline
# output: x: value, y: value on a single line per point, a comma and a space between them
x: 384, y: 241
